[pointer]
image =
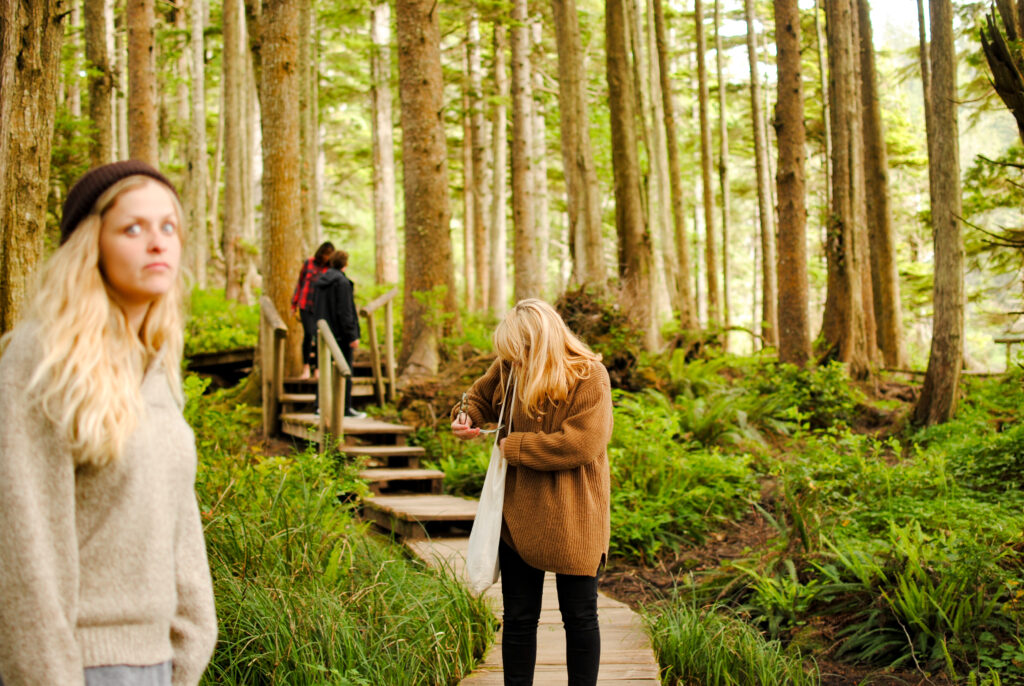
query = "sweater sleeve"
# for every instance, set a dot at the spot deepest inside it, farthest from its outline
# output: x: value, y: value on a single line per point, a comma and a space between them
x: 194, y: 627
x: 479, y: 404
x: 582, y: 437
x: 350, y: 315
x: 39, y: 561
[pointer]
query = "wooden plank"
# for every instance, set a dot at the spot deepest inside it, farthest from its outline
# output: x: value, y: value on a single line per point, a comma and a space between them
x: 424, y: 508
x: 384, y: 450
x: 350, y: 425
x: 400, y: 474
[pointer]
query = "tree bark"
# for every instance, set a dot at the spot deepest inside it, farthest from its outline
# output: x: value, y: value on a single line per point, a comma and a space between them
x: 282, y: 188
x: 844, y: 326
x: 428, y: 262
x: 539, y: 156
x: 30, y: 47
x: 385, y: 233
x: 634, y: 238
x: 481, y: 220
x: 794, y: 328
x: 940, y: 392
x: 121, y: 92
x: 526, y: 252
x: 140, y: 17
x: 497, y: 290
x: 196, y: 179
x: 885, y: 286
x: 233, y: 83
x: 468, y: 270
x: 684, y: 300
x: 101, y: 82
x: 706, y: 154
x: 766, y: 211
x: 723, y: 173
x: 926, y: 68
x: 577, y: 155
x: 826, y: 122
x: 309, y: 128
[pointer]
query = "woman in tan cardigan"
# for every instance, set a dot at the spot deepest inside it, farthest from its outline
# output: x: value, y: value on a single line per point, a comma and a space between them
x: 556, y: 510
x: 103, y: 572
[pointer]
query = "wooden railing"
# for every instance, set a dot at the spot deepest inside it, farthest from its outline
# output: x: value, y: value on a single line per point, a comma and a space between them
x: 368, y: 311
x: 272, y: 343
x: 334, y: 374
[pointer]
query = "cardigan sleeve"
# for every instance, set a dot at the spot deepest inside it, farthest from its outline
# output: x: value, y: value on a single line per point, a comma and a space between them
x: 39, y: 563
x: 581, y: 438
x: 479, y: 398
x: 194, y: 626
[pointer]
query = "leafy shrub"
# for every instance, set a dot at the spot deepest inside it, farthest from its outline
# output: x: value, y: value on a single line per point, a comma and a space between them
x: 710, y: 646
x: 464, y: 463
x: 819, y: 396
x: 668, y: 490
x: 216, y: 324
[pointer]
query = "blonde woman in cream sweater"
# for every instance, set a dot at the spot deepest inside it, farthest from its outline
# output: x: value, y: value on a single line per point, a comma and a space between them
x: 103, y: 573
x: 556, y: 509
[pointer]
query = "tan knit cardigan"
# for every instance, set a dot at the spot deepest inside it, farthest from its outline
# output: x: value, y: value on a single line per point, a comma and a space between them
x: 98, y: 565
x: 557, y: 488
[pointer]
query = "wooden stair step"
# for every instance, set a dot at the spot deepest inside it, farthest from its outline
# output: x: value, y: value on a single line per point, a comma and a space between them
x: 392, y: 478
x: 297, y: 397
x: 384, y: 450
x: 415, y: 516
x: 350, y: 425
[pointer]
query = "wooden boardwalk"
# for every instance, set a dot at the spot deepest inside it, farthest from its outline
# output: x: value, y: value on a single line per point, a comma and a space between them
x: 626, y: 655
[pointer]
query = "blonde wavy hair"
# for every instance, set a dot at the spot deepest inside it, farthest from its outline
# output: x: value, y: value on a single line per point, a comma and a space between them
x: 90, y: 376
x: 546, y: 357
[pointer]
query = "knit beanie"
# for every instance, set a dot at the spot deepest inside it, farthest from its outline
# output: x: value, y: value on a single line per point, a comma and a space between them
x: 83, y: 195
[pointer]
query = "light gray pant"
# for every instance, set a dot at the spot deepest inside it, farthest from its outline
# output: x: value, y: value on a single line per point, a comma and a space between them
x: 126, y: 675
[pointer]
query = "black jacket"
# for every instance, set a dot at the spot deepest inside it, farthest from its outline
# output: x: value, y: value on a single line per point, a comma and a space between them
x: 334, y: 300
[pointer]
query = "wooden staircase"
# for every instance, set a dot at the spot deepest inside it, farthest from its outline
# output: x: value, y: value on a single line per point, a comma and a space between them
x: 407, y: 499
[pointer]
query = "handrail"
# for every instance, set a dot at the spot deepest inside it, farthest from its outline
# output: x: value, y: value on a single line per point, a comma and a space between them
x: 334, y: 374
x: 386, y: 301
x: 377, y: 302
x: 273, y: 333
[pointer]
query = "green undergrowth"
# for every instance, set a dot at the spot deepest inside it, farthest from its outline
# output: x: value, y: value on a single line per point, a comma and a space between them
x: 216, y: 324
x: 304, y: 594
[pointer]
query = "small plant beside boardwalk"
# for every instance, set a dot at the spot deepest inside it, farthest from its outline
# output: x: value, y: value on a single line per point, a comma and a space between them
x: 304, y: 594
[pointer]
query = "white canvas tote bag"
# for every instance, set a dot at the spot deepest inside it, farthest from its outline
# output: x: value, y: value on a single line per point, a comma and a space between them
x: 482, y: 556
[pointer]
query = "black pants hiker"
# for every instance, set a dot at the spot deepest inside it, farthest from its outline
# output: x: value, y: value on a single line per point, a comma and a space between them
x: 521, y: 589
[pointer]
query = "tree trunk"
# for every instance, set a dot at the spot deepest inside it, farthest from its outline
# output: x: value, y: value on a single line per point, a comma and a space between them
x: 634, y: 239
x: 250, y: 269
x: 30, y: 47
x: 723, y: 173
x: 844, y: 327
x: 826, y: 122
x: 577, y: 155
x: 142, y: 113
x: 385, y: 233
x: 428, y: 262
x: 282, y: 188
x: 710, y: 245
x: 526, y: 249
x: 885, y: 286
x: 539, y: 157
x: 497, y: 288
x: 794, y: 328
x: 309, y: 127
x: 938, y: 399
x: 926, y: 69
x: 74, y: 86
x: 101, y: 82
x: 765, y: 210
x: 196, y: 178
x: 684, y: 301
x: 468, y: 270
x: 234, y: 147
x: 481, y: 220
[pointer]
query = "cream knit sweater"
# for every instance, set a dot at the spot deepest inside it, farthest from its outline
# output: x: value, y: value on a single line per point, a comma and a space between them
x: 98, y: 566
x: 557, y: 488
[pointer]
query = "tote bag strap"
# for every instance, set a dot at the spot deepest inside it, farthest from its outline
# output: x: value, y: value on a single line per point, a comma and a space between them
x: 505, y: 405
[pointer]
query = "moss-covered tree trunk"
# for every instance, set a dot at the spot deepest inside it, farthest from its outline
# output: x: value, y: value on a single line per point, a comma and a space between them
x: 196, y: 179
x: 30, y: 40
x: 526, y: 249
x: 938, y: 399
x: 706, y: 162
x: 140, y: 17
x: 234, y: 78
x: 101, y: 82
x: 428, y: 262
x: 794, y: 329
x: 385, y: 233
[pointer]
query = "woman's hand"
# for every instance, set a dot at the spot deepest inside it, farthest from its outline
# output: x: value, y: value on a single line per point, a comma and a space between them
x: 463, y: 427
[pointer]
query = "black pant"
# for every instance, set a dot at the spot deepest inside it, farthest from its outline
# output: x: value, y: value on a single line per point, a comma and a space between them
x: 347, y: 353
x: 521, y: 589
x: 308, y: 337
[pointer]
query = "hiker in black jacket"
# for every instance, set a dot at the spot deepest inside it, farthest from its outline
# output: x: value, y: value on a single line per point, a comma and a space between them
x: 334, y: 301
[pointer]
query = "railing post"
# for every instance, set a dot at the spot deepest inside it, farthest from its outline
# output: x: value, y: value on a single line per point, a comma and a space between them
x: 389, y: 347
x: 323, y: 357
x: 378, y: 376
x: 337, y: 406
